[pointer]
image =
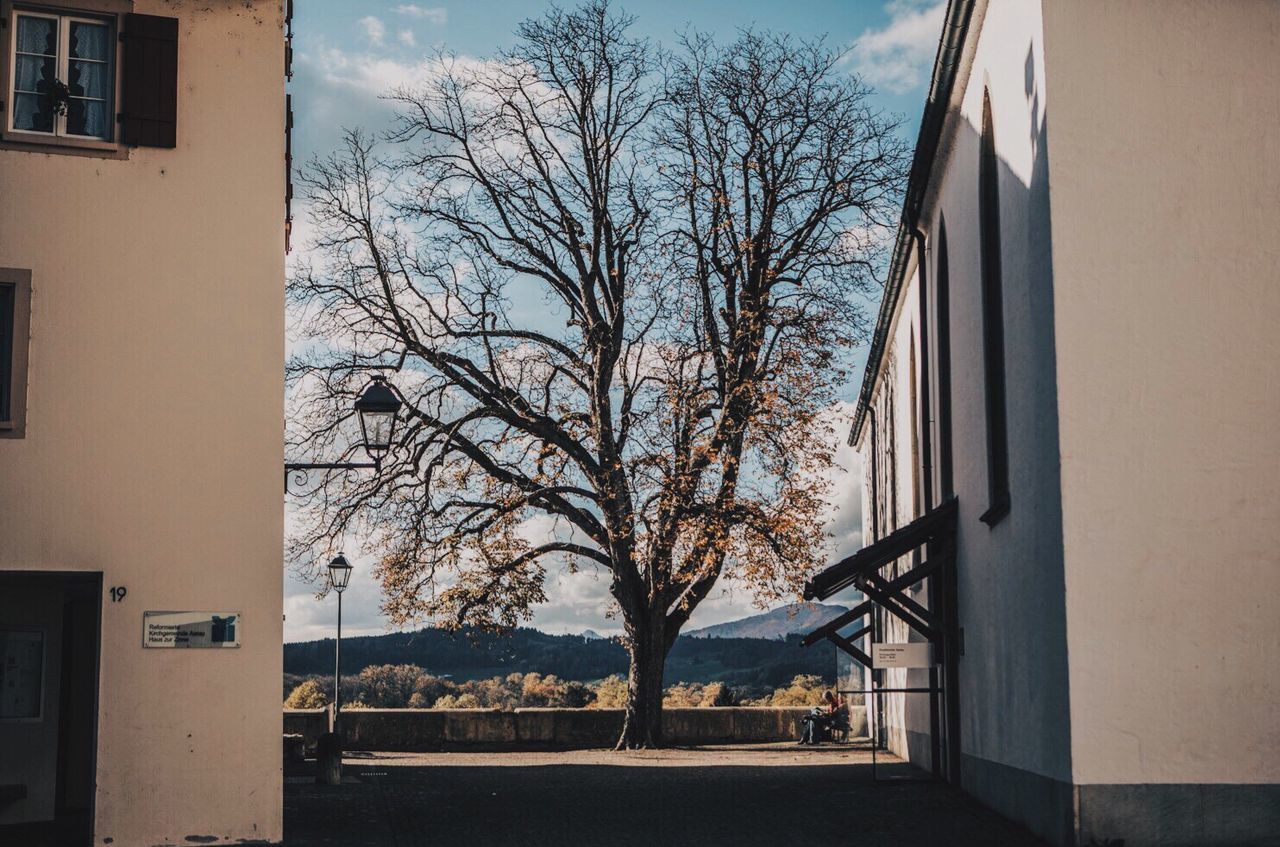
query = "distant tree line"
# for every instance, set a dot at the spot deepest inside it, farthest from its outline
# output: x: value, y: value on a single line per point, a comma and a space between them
x: 472, y: 654
x: 409, y: 686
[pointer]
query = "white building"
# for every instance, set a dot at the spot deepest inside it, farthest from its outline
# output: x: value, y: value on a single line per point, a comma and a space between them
x: 1078, y: 343
x: 142, y: 228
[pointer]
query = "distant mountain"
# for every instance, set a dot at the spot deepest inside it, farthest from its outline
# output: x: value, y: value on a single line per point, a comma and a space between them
x: 591, y: 635
x: 471, y: 654
x: 795, y: 619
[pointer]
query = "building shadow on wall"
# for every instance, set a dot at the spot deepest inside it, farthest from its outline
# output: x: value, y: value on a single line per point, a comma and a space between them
x: 1014, y: 679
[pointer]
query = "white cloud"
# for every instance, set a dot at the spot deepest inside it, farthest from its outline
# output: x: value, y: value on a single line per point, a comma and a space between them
x: 437, y: 15
x: 371, y: 75
x: 899, y: 56
x: 407, y: 38
x: 844, y: 508
x: 576, y: 602
x: 309, y: 618
x: 374, y: 30
x: 332, y: 72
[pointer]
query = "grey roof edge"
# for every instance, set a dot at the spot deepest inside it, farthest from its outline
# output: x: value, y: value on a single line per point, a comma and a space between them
x: 955, y: 29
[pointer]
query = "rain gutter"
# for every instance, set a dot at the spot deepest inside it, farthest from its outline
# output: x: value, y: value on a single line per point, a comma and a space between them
x: 954, y: 30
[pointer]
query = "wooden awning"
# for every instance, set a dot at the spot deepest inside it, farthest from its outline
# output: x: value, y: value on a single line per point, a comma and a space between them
x: 932, y: 525
x: 889, y: 590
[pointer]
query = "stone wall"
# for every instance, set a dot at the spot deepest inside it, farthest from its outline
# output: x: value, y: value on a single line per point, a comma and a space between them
x: 414, y: 730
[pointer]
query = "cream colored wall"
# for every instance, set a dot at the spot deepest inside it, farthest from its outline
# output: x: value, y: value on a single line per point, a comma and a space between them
x: 153, y: 448
x: 894, y: 385
x: 902, y: 714
x: 1166, y: 174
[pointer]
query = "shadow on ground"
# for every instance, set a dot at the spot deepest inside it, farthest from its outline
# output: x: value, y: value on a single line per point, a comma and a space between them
x: 774, y: 796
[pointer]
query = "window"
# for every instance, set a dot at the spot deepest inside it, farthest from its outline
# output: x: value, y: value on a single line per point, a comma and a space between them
x: 15, y: 322
x: 62, y: 76
x: 91, y: 81
x: 946, y: 484
x: 7, y: 300
x: 998, y: 501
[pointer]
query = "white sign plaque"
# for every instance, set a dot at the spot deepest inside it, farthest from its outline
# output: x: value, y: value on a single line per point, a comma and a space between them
x: 190, y: 629
x: 915, y: 654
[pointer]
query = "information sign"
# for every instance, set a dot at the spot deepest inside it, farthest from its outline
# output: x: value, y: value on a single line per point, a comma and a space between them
x: 915, y: 654
x: 191, y: 629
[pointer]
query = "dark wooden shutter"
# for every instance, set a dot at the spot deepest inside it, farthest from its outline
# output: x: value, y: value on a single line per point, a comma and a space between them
x: 149, y: 81
x: 288, y: 172
x: 8, y: 310
x: 288, y: 39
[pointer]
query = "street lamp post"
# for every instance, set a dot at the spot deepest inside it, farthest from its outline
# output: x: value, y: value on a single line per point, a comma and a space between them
x: 376, y: 407
x: 339, y: 576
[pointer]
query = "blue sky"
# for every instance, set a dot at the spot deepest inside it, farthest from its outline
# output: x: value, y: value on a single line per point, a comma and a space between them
x: 347, y: 54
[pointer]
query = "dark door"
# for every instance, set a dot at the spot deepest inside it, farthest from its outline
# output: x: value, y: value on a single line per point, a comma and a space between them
x: 49, y: 645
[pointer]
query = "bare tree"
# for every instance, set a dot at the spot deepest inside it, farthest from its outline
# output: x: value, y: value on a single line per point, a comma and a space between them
x: 622, y: 288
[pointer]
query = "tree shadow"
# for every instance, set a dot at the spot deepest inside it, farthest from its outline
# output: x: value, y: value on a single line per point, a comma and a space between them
x: 637, y: 804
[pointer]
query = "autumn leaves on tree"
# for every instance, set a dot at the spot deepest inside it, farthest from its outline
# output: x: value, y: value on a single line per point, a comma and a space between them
x: 621, y: 283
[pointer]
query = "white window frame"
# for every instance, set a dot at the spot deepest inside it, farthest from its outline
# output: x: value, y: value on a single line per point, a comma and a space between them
x: 62, y: 64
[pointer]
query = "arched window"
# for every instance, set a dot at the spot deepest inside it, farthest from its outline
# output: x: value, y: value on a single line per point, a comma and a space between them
x: 942, y: 311
x: 998, y: 501
x: 913, y: 398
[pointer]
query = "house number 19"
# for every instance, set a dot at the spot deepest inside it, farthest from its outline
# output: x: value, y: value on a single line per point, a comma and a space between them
x: 118, y: 592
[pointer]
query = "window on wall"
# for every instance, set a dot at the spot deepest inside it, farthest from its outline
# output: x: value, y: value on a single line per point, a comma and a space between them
x: 942, y: 277
x: 15, y: 317
x: 62, y: 75
x: 891, y: 451
x: 7, y: 300
x: 998, y: 502
x: 913, y: 399
x: 88, y: 79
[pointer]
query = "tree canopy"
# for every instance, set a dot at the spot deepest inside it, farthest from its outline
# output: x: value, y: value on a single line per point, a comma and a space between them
x: 619, y: 284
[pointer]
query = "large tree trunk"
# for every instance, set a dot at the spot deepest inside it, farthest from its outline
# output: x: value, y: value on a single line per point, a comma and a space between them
x: 643, y: 724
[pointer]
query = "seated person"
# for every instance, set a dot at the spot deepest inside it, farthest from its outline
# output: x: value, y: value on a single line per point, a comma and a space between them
x: 813, y: 725
x: 823, y: 719
x: 837, y: 716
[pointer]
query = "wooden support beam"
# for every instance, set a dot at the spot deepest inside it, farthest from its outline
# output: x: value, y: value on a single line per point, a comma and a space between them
x: 854, y: 636
x: 919, y: 611
x: 890, y: 603
x: 939, y: 522
x: 847, y: 646
x: 838, y: 622
x: 920, y: 572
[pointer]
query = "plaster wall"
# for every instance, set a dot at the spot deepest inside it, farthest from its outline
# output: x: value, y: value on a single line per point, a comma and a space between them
x: 153, y: 444
x: 1165, y: 173
x: 1013, y: 669
x: 1013, y: 673
x: 896, y: 487
x: 893, y: 458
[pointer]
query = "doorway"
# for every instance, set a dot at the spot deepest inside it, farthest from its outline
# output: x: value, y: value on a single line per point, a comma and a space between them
x: 50, y: 632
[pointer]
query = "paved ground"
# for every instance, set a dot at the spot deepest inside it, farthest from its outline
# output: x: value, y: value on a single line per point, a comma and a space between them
x: 741, y: 796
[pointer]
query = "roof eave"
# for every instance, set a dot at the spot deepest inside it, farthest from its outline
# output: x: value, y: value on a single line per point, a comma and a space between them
x: 954, y: 31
